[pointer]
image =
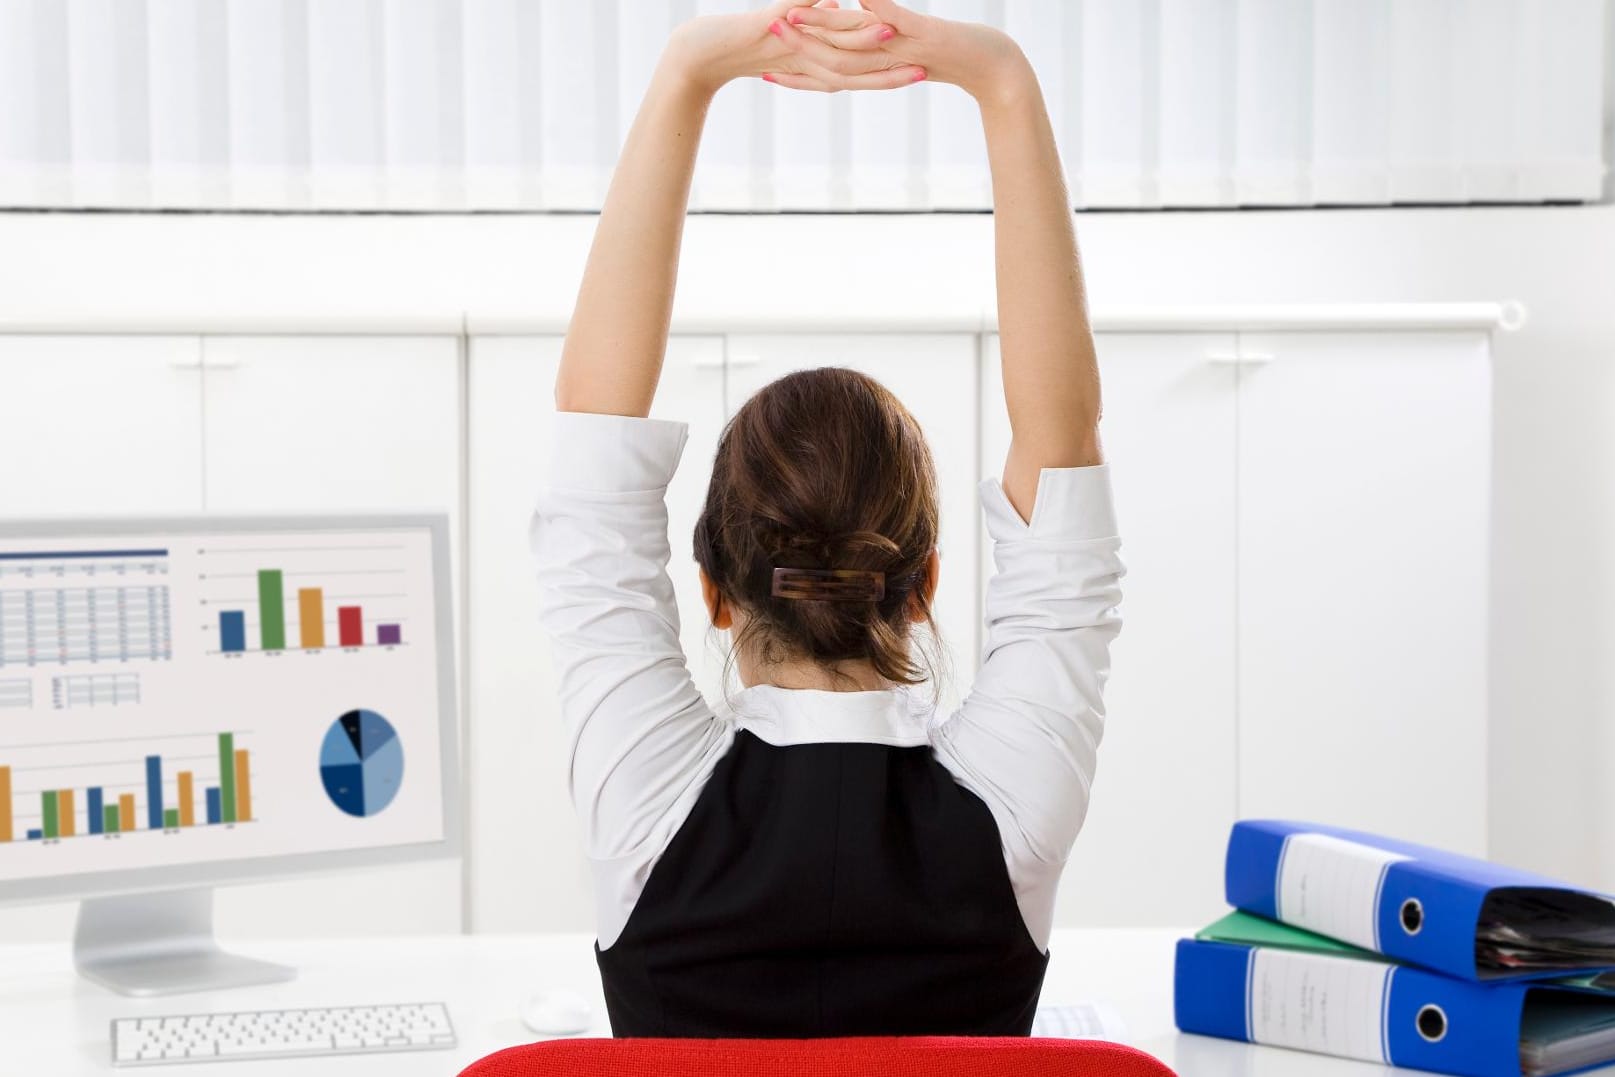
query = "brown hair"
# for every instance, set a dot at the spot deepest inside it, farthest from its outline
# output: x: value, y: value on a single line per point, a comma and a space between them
x: 823, y: 469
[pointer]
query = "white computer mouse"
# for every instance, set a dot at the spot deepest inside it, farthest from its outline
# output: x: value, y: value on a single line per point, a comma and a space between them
x: 557, y: 1013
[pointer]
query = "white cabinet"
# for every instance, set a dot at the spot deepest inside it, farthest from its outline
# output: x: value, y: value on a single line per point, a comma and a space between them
x: 1151, y: 848
x: 526, y: 867
x: 1304, y: 519
x: 935, y: 376
x: 337, y: 424
x: 100, y: 424
x: 1364, y: 465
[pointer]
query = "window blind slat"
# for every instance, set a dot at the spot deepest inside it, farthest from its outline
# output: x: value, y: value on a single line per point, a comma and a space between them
x: 347, y: 128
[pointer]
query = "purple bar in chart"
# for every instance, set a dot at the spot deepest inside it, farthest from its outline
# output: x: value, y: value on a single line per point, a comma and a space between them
x: 389, y: 634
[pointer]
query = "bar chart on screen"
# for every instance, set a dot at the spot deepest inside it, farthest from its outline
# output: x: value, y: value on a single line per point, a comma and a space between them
x: 118, y: 786
x: 304, y: 598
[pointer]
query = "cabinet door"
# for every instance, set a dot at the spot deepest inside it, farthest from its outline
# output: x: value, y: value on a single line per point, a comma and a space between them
x: 935, y: 377
x: 1151, y: 849
x: 1364, y: 464
x: 337, y: 424
x: 98, y: 424
x: 526, y: 870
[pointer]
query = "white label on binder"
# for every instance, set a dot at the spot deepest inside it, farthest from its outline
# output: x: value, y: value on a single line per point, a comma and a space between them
x: 1331, y: 886
x: 1327, y: 1005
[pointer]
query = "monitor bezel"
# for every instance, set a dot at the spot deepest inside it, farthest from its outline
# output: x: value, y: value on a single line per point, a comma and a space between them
x: 278, y: 866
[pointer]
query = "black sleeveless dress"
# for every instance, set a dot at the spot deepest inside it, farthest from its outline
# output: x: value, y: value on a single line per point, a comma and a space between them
x: 827, y: 890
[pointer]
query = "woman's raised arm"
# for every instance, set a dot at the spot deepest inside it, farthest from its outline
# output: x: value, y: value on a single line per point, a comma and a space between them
x: 612, y: 359
x: 1051, y: 381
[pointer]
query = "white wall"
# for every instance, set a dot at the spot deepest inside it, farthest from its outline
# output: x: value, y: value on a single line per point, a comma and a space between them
x: 1554, y: 573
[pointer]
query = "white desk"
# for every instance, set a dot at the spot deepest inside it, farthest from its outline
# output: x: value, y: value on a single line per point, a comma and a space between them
x: 53, y: 1024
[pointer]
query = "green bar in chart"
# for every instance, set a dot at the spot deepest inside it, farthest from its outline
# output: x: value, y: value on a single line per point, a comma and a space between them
x: 227, y: 766
x: 109, y: 819
x: 271, y: 610
x: 170, y: 818
x: 47, y: 803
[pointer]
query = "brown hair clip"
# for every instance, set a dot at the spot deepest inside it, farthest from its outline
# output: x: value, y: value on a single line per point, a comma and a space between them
x: 829, y: 584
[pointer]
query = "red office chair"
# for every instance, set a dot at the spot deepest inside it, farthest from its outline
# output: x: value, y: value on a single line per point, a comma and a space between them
x: 874, y: 1056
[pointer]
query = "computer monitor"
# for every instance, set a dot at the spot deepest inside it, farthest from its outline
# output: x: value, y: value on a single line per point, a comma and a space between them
x: 190, y: 702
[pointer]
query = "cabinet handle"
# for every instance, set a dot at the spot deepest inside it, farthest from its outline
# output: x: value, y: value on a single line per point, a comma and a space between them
x: 1239, y: 357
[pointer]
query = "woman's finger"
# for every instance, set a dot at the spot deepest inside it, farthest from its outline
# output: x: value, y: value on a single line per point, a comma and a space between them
x: 829, y: 18
x: 798, y: 82
x: 868, y: 37
x: 889, y: 79
x: 889, y: 12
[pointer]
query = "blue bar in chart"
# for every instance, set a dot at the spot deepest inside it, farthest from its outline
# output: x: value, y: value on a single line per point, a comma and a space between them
x: 96, y: 810
x: 215, y: 809
x: 232, y: 631
x: 154, y: 791
x: 35, y: 835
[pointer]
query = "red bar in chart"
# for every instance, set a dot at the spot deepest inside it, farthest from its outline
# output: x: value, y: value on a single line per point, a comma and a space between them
x: 350, y: 626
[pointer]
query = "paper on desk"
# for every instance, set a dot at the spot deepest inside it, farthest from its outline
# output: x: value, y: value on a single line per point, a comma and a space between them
x: 1083, y: 1021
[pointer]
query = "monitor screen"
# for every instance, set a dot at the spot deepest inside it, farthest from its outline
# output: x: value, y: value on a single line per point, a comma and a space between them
x: 183, y: 702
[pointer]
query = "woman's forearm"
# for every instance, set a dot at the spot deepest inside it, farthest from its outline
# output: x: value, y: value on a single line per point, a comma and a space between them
x: 1051, y: 379
x: 614, y: 346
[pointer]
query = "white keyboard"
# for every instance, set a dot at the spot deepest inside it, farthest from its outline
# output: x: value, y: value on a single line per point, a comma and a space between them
x: 328, y: 1030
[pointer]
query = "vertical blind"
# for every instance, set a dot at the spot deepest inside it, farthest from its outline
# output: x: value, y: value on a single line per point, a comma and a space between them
x: 451, y: 105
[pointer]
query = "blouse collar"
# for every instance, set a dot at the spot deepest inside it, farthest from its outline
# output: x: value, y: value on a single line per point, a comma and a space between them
x: 898, y: 717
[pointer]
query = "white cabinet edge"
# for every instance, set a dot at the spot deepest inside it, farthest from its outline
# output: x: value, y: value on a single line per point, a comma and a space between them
x: 1484, y: 316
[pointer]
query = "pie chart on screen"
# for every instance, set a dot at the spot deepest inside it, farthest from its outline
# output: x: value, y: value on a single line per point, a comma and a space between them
x: 361, y: 763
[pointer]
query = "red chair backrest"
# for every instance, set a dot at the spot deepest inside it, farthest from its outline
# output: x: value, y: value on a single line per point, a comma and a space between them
x: 876, y: 1056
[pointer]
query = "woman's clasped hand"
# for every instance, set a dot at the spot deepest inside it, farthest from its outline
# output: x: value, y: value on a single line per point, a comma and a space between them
x: 828, y: 48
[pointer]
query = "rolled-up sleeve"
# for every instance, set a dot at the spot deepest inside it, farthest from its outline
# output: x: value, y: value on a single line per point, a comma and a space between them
x: 1025, y: 739
x: 640, y: 733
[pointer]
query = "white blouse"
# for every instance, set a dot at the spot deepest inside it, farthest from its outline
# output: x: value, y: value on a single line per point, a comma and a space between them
x: 643, y: 741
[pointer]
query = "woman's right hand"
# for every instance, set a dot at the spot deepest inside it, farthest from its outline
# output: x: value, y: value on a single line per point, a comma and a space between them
x: 982, y: 60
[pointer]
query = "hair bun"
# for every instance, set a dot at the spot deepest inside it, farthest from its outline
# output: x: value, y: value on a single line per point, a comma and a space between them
x: 845, y: 549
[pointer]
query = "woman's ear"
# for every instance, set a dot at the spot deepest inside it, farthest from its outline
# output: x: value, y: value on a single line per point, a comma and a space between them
x: 717, y: 609
x: 927, y: 589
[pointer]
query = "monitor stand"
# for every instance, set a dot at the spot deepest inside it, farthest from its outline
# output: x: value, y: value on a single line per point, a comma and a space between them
x: 161, y: 944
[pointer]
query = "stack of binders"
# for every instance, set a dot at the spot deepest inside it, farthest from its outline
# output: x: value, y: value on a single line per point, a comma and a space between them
x: 1360, y: 946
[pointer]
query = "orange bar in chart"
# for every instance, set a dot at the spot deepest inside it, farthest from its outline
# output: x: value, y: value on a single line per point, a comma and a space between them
x: 64, y: 806
x: 5, y: 803
x: 243, y: 788
x: 126, y: 813
x: 187, y: 799
x: 311, y: 616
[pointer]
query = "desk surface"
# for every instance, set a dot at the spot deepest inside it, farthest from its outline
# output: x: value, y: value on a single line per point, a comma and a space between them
x: 53, y: 1023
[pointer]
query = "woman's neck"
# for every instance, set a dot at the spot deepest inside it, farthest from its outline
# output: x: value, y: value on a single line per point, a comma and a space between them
x: 843, y: 677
